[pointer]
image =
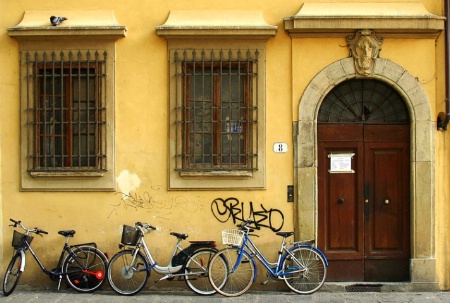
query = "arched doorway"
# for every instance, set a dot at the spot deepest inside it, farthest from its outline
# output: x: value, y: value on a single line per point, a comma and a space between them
x: 422, y: 147
x: 363, y: 181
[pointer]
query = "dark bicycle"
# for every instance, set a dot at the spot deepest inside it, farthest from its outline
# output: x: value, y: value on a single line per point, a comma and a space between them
x: 83, y: 265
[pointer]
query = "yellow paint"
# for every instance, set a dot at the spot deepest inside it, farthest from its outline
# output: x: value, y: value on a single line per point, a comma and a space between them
x: 141, y: 132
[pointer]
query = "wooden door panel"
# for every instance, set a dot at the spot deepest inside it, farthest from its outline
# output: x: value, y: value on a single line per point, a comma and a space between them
x: 387, y: 215
x: 387, y: 221
x: 365, y: 241
x: 340, y: 132
x: 340, y: 207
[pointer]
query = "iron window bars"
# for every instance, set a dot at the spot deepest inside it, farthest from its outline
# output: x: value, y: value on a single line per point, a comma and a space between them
x: 66, y: 111
x: 216, y: 109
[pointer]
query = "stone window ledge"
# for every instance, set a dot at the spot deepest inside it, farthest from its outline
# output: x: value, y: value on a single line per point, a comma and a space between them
x: 216, y: 23
x: 79, y: 23
x: 395, y: 20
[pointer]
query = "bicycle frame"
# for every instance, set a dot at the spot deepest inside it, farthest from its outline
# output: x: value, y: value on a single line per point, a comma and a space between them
x: 57, y: 273
x: 168, y: 271
x: 249, y: 247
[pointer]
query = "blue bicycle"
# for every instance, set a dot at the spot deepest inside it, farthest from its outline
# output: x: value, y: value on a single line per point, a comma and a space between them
x: 302, y: 266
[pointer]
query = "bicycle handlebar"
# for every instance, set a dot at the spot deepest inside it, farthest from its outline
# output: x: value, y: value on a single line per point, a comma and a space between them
x: 145, y: 225
x: 246, y: 225
x: 35, y: 230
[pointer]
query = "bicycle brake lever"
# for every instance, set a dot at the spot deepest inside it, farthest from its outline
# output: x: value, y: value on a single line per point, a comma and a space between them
x: 149, y: 226
x: 15, y: 222
x: 40, y: 231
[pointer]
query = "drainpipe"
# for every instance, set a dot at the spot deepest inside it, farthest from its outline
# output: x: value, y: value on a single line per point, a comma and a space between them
x: 444, y: 118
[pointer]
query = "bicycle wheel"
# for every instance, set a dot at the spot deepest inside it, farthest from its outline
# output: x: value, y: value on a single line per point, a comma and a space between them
x: 128, y: 278
x: 227, y: 281
x: 85, y: 270
x: 306, y: 273
x: 12, y: 274
x: 196, y: 269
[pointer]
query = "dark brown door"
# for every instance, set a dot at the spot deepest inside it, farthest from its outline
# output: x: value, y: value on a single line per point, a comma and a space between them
x: 364, y: 215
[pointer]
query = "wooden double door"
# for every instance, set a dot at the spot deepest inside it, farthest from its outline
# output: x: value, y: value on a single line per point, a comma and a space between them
x: 364, y: 210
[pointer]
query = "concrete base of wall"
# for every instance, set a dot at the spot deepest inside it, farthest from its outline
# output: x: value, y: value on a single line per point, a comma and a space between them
x: 384, y: 287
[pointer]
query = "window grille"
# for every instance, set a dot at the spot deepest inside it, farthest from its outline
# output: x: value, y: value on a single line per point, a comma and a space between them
x: 363, y: 101
x: 66, y: 111
x: 216, y: 110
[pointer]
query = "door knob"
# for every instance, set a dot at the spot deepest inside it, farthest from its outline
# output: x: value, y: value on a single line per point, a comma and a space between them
x: 366, y: 201
x: 341, y: 200
x: 386, y: 201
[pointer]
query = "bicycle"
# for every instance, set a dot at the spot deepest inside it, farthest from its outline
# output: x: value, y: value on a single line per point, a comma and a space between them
x: 129, y: 269
x: 302, y: 266
x: 82, y: 265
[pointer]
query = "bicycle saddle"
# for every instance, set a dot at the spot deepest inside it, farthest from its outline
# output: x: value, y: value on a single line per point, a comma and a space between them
x: 285, y: 234
x: 66, y: 233
x: 179, y: 236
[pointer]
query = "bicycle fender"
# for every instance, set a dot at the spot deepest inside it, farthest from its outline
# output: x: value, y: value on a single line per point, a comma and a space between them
x: 308, y: 246
x: 94, y: 248
x: 22, y: 254
x: 254, y: 265
x: 182, y: 257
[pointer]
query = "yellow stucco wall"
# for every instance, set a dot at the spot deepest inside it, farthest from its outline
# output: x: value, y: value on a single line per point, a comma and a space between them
x: 141, y: 128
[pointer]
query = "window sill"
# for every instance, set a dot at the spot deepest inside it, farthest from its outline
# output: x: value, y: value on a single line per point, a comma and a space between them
x: 66, y: 174
x: 231, y: 174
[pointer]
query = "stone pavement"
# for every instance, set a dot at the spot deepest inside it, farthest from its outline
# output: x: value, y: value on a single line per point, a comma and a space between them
x: 177, y: 296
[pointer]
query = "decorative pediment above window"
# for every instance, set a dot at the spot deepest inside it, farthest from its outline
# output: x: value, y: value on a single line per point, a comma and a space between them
x: 396, y: 20
x: 101, y: 23
x: 244, y: 24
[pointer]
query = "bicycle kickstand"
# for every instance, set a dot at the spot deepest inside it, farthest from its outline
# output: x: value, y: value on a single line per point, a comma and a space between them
x: 59, y: 282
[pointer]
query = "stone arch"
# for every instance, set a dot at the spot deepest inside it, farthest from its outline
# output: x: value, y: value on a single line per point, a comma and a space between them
x: 422, y: 157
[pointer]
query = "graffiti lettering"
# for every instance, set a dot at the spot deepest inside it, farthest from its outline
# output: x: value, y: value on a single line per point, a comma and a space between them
x: 159, y: 203
x: 223, y: 210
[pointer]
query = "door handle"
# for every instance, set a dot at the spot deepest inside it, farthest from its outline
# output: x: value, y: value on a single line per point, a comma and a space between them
x: 386, y: 201
x: 366, y: 201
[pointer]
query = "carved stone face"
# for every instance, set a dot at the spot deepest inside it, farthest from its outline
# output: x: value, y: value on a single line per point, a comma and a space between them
x: 364, y: 47
x: 364, y: 51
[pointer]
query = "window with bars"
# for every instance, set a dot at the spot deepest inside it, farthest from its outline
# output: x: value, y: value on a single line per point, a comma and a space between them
x: 66, y: 111
x: 216, y: 110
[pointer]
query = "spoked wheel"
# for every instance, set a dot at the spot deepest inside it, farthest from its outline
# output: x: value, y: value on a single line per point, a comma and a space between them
x: 12, y: 275
x: 227, y: 276
x: 305, y: 271
x: 196, y: 269
x: 127, y: 278
x: 86, y: 269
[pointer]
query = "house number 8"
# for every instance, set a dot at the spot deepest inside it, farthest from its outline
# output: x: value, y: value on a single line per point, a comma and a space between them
x: 280, y: 147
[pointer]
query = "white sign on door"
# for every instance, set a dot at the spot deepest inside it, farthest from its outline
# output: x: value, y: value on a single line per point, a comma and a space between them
x: 341, y: 163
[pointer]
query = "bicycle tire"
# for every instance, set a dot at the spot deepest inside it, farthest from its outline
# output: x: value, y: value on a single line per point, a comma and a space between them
x: 125, y: 278
x: 85, y: 272
x: 308, y: 270
x: 12, y: 275
x: 196, y: 269
x: 224, y: 280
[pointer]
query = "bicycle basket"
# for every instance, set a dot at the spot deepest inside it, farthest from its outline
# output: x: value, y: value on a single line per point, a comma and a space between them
x: 130, y: 235
x: 17, y: 240
x: 232, y: 236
